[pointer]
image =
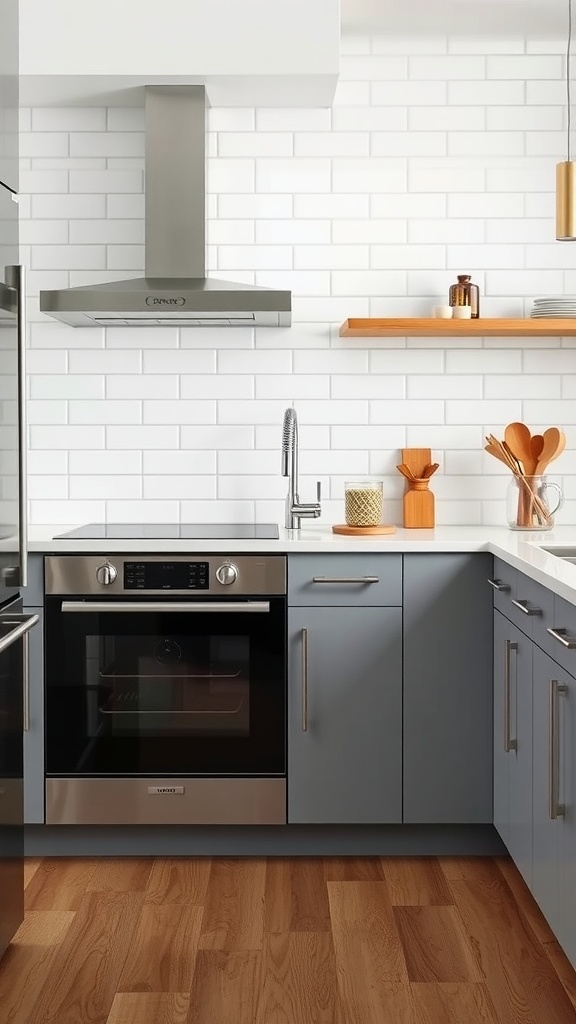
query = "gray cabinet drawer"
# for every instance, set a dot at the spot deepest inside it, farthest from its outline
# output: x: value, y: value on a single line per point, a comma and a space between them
x: 503, y: 582
x: 533, y: 607
x: 345, y: 580
x: 523, y: 601
x: 564, y: 625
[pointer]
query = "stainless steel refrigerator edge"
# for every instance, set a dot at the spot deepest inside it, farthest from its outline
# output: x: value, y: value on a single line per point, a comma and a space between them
x: 14, y: 625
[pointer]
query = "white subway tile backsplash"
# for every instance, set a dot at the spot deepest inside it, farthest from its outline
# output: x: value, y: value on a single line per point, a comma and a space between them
x: 185, y: 361
x: 291, y: 232
x: 366, y: 282
x: 290, y: 119
x: 217, y: 437
x: 71, y: 437
x: 253, y: 144
x: 179, y: 411
x: 179, y: 462
x: 101, y: 181
x: 488, y: 412
x: 376, y: 68
x: 43, y: 232
x: 40, y: 144
x: 368, y: 174
x: 119, y: 232
x: 409, y: 93
x: 69, y: 119
x: 485, y: 93
x: 337, y: 207
x: 369, y: 119
x: 296, y: 174
x: 525, y: 66
x: 445, y: 386
x: 45, y: 411
x: 332, y: 144
x: 104, y: 362
x: 86, y: 487
x: 444, y: 119
x: 436, y: 158
x: 179, y: 487
x: 481, y: 144
x: 447, y: 68
x: 290, y: 386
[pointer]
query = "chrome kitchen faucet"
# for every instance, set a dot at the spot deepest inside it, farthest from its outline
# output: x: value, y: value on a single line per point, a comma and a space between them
x: 295, y: 510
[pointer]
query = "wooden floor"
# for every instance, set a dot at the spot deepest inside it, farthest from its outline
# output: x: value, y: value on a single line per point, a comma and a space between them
x: 283, y: 941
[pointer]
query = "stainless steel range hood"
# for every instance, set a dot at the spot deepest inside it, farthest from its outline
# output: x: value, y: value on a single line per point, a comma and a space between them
x: 175, y: 290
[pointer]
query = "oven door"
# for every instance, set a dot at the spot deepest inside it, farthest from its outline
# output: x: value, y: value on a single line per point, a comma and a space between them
x: 165, y: 687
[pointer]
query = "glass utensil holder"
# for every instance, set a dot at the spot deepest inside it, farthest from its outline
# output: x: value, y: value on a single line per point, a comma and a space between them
x: 531, y: 502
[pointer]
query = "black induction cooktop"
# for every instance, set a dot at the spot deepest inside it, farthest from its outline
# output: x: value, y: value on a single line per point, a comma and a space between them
x: 172, y: 531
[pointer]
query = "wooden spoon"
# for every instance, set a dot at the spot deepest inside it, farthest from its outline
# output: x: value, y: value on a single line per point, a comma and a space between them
x: 550, y: 451
x: 430, y: 470
x: 536, y: 446
x: 403, y: 468
x: 517, y: 437
x: 493, y: 450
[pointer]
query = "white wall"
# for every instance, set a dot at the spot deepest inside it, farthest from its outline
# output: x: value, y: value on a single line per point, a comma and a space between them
x: 437, y: 158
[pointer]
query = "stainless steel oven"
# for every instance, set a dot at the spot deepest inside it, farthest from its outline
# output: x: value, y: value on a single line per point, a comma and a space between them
x: 165, y: 689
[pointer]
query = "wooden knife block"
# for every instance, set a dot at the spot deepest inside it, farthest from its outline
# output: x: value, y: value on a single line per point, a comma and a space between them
x: 418, y: 505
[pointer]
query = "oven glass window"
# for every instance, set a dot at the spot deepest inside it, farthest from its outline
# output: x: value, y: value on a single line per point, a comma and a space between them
x: 168, y: 685
x: 165, y: 692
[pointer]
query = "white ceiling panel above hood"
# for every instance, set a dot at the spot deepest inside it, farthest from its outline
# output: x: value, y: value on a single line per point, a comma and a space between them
x: 246, y: 52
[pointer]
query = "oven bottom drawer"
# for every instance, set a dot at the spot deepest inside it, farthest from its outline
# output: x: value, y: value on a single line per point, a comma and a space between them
x: 166, y: 801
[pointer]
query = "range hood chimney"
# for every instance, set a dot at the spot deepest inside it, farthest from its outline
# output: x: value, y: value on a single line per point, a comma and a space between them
x: 175, y: 290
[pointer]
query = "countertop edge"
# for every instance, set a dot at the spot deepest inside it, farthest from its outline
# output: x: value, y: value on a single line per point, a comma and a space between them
x: 524, y: 551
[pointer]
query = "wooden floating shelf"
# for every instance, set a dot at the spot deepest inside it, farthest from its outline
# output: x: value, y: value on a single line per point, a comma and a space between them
x: 431, y: 327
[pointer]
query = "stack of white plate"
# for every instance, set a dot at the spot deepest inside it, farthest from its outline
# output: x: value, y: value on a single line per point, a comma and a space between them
x: 555, y: 307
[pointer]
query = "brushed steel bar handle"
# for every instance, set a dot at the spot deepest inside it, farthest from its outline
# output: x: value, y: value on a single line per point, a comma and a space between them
x: 498, y: 585
x: 509, y: 744
x: 523, y: 606
x: 15, y: 278
x: 304, y: 680
x: 560, y: 635
x: 165, y: 606
x: 345, y: 579
x: 22, y: 624
x: 555, y: 809
x: 26, y: 681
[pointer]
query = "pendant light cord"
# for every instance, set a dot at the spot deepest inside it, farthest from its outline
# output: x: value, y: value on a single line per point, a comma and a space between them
x: 568, y: 58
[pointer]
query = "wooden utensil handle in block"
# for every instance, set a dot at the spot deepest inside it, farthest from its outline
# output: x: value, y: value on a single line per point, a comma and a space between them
x: 417, y: 459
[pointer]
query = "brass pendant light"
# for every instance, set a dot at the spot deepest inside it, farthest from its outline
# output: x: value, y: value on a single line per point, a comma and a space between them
x: 566, y: 171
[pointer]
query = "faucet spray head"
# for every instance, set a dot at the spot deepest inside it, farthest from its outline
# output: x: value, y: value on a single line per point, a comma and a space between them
x: 289, y: 437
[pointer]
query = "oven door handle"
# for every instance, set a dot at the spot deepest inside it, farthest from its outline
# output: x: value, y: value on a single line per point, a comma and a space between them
x: 22, y: 624
x: 165, y: 606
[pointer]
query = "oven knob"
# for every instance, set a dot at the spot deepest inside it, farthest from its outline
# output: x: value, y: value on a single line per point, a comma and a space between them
x: 227, y: 574
x: 106, y: 574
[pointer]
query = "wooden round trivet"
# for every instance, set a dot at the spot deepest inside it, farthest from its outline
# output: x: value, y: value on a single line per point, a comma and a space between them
x: 362, y: 531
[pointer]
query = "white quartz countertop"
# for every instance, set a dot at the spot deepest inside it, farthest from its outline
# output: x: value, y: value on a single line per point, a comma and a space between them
x: 525, y: 551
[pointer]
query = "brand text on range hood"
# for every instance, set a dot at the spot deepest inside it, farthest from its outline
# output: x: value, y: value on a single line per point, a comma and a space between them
x: 175, y: 290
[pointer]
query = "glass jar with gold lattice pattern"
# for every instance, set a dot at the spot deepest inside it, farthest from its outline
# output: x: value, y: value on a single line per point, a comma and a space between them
x: 363, y: 502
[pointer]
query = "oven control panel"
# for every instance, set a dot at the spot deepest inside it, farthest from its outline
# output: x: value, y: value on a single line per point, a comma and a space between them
x: 141, y: 575
x: 166, y: 575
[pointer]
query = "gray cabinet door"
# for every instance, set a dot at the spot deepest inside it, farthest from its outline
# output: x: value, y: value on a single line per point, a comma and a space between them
x: 447, y: 689
x: 346, y: 766
x: 567, y: 755
x: 513, y: 730
x: 9, y: 95
x: 501, y: 780
x: 547, y: 831
x: 34, y: 735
